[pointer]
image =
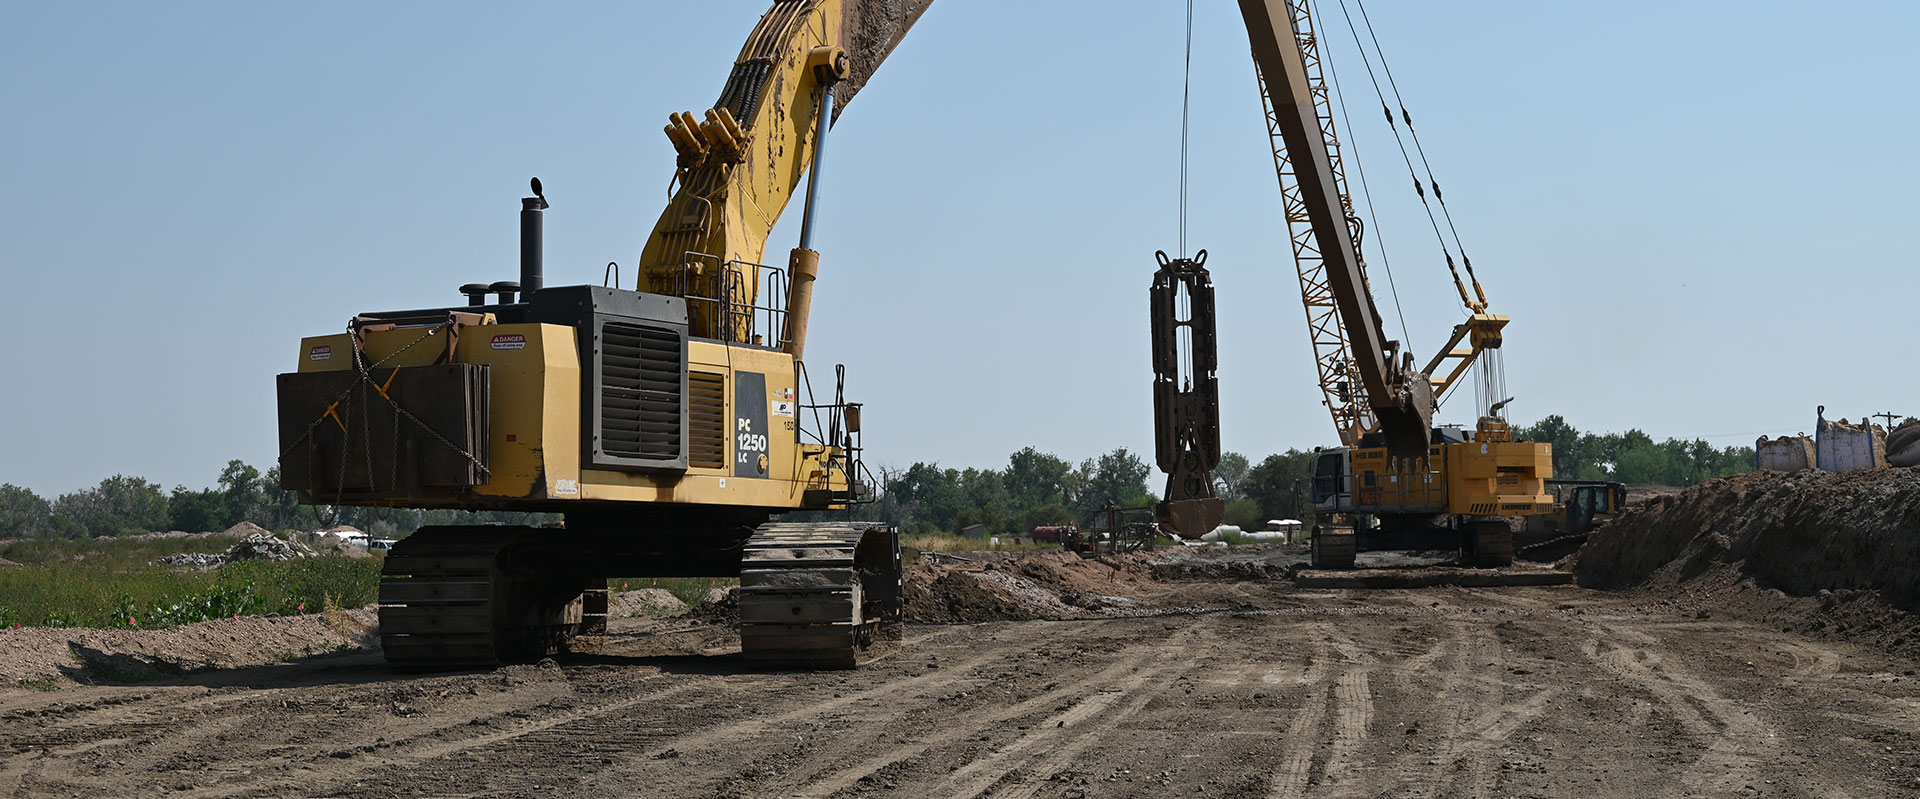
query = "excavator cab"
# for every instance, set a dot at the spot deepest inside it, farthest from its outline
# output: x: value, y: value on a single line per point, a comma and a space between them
x: 1329, y: 479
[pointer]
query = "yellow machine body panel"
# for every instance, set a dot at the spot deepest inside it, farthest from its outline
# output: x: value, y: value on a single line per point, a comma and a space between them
x: 743, y: 451
x: 1493, y: 478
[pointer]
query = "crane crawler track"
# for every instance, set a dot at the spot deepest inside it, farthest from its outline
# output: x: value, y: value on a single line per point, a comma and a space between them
x: 814, y: 595
x: 450, y: 598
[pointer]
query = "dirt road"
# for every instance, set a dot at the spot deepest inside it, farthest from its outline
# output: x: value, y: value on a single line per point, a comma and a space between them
x: 1541, y: 692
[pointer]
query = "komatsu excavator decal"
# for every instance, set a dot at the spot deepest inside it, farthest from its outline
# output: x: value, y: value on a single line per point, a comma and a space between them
x: 749, y: 425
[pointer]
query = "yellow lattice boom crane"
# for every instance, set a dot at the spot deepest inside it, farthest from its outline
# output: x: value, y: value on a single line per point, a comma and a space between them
x: 1396, y: 481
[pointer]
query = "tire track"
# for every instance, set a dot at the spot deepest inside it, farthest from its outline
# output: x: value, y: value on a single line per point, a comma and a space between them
x: 1346, y: 772
x: 1478, y: 679
x: 421, y: 748
x: 1735, y: 742
x: 1301, y: 738
x: 983, y: 774
x: 1132, y: 667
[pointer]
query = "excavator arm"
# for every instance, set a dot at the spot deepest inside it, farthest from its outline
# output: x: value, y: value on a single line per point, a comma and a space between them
x: 740, y: 163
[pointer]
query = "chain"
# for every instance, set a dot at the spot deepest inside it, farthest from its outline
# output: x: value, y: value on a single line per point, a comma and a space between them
x: 366, y: 378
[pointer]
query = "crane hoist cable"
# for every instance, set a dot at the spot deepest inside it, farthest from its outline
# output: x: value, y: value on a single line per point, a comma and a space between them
x: 1419, y: 188
x: 1366, y: 193
x: 1184, y: 302
x: 1186, y: 103
x: 1414, y: 133
x: 1492, y: 385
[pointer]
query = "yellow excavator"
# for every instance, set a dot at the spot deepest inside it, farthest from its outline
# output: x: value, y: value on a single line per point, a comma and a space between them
x: 669, y: 426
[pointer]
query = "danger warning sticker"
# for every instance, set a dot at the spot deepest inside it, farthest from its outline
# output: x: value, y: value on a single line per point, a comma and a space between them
x: 510, y: 341
x: 320, y: 353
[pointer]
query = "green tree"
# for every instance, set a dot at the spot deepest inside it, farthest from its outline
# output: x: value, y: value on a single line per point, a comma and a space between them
x: 1230, y: 475
x: 1568, y: 449
x: 281, y: 509
x: 986, y: 492
x: 1279, y: 485
x: 1119, y: 477
x: 1035, y: 478
x: 1047, y: 516
x: 197, y: 511
x: 23, y: 514
x: 118, y: 506
x: 928, y: 497
x: 242, y: 492
x: 1245, y: 514
x: 1633, y: 456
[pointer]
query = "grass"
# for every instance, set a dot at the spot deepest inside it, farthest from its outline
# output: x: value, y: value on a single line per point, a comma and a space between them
x: 690, y: 590
x: 114, y: 583
x: 43, y: 684
x: 110, y: 553
x: 104, y: 583
x: 945, y: 542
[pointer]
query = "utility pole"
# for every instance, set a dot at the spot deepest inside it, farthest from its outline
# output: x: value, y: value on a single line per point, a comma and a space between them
x: 1889, y: 416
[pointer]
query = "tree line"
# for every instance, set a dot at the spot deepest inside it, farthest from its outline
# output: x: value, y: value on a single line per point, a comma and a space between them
x: 126, y: 505
x: 1034, y: 489
x: 1633, y: 456
x: 1037, y: 489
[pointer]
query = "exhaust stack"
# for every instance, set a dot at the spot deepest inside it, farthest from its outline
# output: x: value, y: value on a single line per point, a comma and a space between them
x: 532, y: 242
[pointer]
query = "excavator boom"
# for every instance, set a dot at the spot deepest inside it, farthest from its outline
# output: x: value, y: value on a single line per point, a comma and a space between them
x: 741, y: 162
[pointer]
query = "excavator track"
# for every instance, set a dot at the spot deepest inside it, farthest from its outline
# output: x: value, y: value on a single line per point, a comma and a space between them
x: 814, y: 595
x: 450, y: 598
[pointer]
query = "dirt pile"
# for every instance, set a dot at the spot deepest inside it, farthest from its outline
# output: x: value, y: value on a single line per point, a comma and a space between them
x: 120, y: 656
x: 328, y: 544
x: 722, y: 608
x: 246, y: 530
x: 1833, y: 553
x: 256, y: 546
x: 1034, y: 585
x: 646, y: 602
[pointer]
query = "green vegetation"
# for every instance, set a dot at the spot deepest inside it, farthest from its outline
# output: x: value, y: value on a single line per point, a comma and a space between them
x: 690, y: 590
x: 948, y: 542
x: 123, y: 505
x: 106, y: 583
x: 1036, y: 489
x: 1633, y: 456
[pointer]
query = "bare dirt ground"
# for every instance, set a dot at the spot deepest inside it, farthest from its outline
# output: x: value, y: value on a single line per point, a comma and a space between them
x: 1251, y: 688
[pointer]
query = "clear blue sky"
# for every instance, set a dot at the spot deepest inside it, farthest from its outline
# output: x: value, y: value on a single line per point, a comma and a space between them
x: 1697, y: 213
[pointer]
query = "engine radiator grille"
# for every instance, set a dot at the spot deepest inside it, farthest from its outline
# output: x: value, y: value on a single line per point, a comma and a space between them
x: 641, y: 419
x: 706, y: 420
